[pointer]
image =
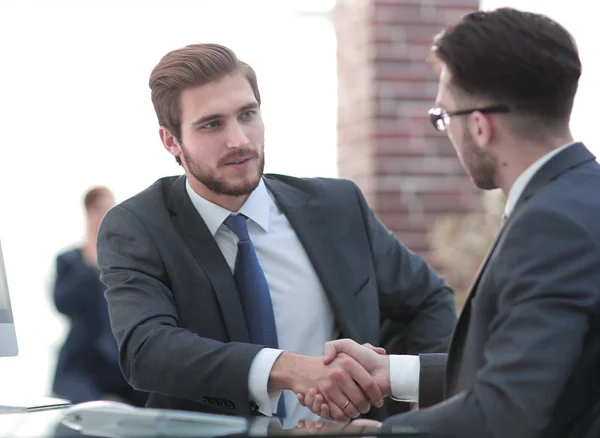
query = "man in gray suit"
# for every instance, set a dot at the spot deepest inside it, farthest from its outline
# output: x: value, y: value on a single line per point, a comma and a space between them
x: 224, y: 284
x: 524, y: 360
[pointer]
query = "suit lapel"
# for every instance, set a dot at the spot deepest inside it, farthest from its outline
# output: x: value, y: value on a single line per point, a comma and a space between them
x: 565, y: 160
x: 310, y: 221
x: 203, y: 246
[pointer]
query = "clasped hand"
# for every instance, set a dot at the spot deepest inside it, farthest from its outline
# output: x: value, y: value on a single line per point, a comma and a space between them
x: 359, y: 378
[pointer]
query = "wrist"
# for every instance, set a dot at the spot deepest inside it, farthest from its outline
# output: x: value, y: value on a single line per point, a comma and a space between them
x: 292, y: 371
x: 280, y: 377
x: 386, y: 388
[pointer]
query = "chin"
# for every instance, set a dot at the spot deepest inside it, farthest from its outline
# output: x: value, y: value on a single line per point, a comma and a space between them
x: 244, y: 187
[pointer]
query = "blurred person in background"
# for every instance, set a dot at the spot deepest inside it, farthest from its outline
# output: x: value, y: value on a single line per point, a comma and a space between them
x: 87, y: 367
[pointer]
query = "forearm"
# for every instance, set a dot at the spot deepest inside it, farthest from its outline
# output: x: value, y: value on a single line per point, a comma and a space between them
x: 157, y: 357
x: 283, y: 374
x: 430, y: 330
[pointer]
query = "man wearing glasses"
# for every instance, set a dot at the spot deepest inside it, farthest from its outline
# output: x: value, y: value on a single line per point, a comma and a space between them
x: 524, y: 361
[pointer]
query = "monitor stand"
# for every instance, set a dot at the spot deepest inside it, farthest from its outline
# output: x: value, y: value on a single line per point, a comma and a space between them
x: 31, y: 404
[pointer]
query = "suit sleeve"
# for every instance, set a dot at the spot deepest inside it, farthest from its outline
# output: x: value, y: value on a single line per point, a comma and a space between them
x: 155, y: 354
x: 545, y: 274
x: 413, y: 298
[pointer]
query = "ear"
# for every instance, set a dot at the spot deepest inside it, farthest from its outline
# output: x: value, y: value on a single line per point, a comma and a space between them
x: 482, y: 129
x: 169, y: 141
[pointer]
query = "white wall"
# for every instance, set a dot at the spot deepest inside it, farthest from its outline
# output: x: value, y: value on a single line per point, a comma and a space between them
x: 75, y: 111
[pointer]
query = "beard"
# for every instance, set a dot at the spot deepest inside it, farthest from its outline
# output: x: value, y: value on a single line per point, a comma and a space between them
x: 211, y: 179
x: 479, y: 164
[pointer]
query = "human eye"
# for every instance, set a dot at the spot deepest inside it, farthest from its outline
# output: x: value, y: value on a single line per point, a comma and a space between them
x: 248, y: 114
x: 210, y: 126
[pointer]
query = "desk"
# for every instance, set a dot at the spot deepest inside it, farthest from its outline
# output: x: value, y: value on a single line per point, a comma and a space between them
x: 47, y: 424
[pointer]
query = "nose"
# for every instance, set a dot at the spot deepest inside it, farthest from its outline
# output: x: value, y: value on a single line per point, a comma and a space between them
x: 236, y: 137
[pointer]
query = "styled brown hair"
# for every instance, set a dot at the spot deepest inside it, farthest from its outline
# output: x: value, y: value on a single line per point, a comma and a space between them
x: 93, y: 195
x: 190, y: 66
x: 524, y: 60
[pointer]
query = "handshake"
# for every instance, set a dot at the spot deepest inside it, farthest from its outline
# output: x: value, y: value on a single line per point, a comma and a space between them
x: 341, y: 385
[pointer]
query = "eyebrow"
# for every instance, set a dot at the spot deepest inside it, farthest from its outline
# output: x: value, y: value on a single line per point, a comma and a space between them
x: 211, y: 117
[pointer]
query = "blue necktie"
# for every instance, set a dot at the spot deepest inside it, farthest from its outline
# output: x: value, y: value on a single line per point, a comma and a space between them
x: 254, y: 291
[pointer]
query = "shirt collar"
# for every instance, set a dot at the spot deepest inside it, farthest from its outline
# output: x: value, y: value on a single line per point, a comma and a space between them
x: 521, y: 182
x: 257, y: 208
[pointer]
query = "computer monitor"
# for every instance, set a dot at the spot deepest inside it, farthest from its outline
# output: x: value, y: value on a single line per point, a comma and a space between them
x: 8, y: 335
x: 8, y: 347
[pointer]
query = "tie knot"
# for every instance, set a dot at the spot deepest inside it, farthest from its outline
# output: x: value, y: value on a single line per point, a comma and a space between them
x: 237, y: 224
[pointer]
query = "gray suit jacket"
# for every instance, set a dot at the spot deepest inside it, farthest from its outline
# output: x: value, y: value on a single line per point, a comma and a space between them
x: 176, y: 313
x: 524, y: 360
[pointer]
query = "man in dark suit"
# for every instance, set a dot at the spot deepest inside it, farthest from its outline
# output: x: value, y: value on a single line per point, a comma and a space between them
x: 223, y: 284
x: 87, y: 367
x: 525, y: 357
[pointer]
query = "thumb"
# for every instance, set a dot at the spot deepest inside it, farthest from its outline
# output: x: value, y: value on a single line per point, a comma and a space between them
x: 332, y: 348
x: 330, y: 352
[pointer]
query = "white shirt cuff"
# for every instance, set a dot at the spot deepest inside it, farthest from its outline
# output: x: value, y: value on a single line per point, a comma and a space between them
x: 258, y: 381
x: 404, y: 377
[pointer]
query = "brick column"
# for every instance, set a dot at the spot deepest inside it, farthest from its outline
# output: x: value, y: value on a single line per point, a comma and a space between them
x: 408, y: 171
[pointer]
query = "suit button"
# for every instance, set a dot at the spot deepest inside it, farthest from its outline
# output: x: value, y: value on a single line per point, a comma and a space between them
x: 254, y: 406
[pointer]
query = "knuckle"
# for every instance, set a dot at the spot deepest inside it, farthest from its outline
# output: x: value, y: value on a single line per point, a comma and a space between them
x: 327, y: 387
x: 336, y: 375
x: 344, y: 361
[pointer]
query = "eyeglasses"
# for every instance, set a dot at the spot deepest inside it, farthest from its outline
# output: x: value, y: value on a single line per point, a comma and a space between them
x: 440, y: 118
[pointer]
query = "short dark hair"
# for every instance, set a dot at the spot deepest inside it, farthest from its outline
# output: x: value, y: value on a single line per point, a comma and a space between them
x: 190, y: 66
x: 521, y: 59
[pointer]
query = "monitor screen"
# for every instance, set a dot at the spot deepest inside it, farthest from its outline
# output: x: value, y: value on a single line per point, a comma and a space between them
x: 8, y: 336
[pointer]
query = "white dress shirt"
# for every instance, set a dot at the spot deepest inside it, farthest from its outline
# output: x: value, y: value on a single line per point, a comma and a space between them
x: 521, y: 182
x: 404, y: 374
x: 303, y: 316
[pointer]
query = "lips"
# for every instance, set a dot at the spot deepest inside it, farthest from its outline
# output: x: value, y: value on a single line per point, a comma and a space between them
x: 241, y: 161
x: 238, y: 160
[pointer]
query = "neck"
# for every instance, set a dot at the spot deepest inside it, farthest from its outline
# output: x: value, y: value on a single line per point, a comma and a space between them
x: 228, y: 202
x: 520, y: 156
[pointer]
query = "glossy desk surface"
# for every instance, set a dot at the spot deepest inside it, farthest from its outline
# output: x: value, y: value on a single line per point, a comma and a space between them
x: 51, y: 423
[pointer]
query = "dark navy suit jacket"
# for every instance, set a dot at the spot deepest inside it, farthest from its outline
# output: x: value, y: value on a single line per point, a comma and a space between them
x: 524, y: 361
x: 87, y: 367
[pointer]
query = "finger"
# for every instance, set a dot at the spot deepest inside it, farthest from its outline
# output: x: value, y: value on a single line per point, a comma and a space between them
x: 309, y: 398
x: 378, y: 350
x: 368, y: 387
x: 325, y: 411
x: 334, y: 396
x: 318, y: 401
x: 335, y: 413
x: 300, y: 397
x: 343, y: 392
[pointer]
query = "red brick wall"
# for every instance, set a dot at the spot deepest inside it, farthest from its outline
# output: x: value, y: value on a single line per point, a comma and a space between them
x: 408, y: 171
